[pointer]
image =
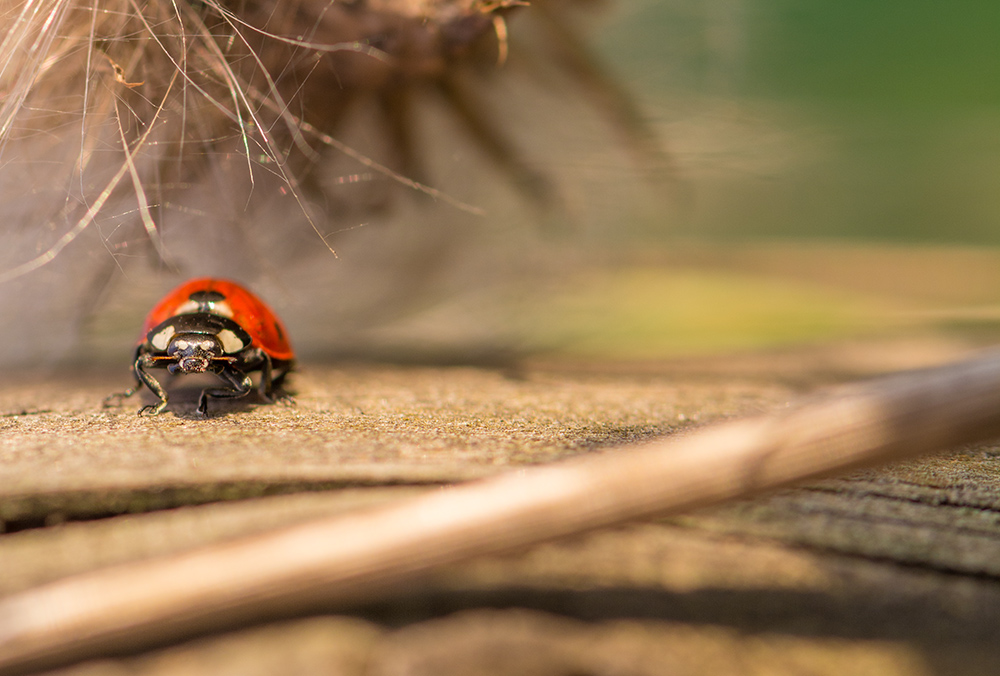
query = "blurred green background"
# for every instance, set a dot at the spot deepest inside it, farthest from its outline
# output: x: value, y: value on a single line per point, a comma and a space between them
x: 839, y: 173
x: 835, y: 170
x: 895, y: 106
x: 872, y: 120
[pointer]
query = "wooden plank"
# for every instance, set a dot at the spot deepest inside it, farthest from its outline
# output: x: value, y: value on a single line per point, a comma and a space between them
x: 888, y: 419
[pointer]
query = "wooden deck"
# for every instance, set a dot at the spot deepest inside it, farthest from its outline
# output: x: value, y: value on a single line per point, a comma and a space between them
x: 889, y: 571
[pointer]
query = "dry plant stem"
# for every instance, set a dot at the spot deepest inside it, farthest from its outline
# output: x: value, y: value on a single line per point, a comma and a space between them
x: 336, y: 561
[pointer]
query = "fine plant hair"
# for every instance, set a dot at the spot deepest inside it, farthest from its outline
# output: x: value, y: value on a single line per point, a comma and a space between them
x: 203, y: 137
x: 146, y: 98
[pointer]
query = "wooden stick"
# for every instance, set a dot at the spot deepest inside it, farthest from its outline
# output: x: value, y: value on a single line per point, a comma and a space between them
x: 332, y: 562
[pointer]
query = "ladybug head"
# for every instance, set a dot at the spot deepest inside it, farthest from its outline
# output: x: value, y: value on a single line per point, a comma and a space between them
x: 191, y: 342
x: 193, y: 352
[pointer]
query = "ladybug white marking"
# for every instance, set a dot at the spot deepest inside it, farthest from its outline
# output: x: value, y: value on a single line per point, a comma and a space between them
x: 215, y: 307
x: 162, y: 339
x: 230, y: 341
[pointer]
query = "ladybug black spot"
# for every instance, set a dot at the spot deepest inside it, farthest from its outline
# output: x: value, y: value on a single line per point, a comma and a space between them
x: 207, y: 297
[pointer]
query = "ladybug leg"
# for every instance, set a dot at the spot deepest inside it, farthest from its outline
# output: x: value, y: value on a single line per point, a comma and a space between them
x: 258, y: 359
x: 271, y: 377
x: 280, y: 378
x: 141, y: 362
x: 267, y: 381
x: 240, y: 383
x: 116, y: 398
x: 280, y: 396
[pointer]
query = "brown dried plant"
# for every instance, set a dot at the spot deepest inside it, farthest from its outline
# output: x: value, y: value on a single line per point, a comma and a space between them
x: 203, y: 134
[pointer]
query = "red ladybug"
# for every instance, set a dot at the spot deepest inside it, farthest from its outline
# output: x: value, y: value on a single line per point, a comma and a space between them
x: 212, y: 326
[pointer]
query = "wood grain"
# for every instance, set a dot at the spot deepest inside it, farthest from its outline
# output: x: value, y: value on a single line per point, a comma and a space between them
x: 338, y: 561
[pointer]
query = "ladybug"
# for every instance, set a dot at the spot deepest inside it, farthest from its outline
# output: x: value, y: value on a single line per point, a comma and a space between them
x: 212, y: 326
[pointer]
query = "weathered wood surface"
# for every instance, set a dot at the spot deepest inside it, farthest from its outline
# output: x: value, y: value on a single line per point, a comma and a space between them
x: 888, y: 571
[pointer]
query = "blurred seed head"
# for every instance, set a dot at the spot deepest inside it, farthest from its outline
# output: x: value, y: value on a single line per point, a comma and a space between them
x: 310, y: 148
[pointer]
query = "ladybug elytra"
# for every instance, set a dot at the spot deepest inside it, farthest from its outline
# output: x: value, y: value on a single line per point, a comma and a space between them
x: 212, y: 326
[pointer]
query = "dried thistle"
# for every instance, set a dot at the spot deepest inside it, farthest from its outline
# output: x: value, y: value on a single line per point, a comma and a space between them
x: 208, y: 136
